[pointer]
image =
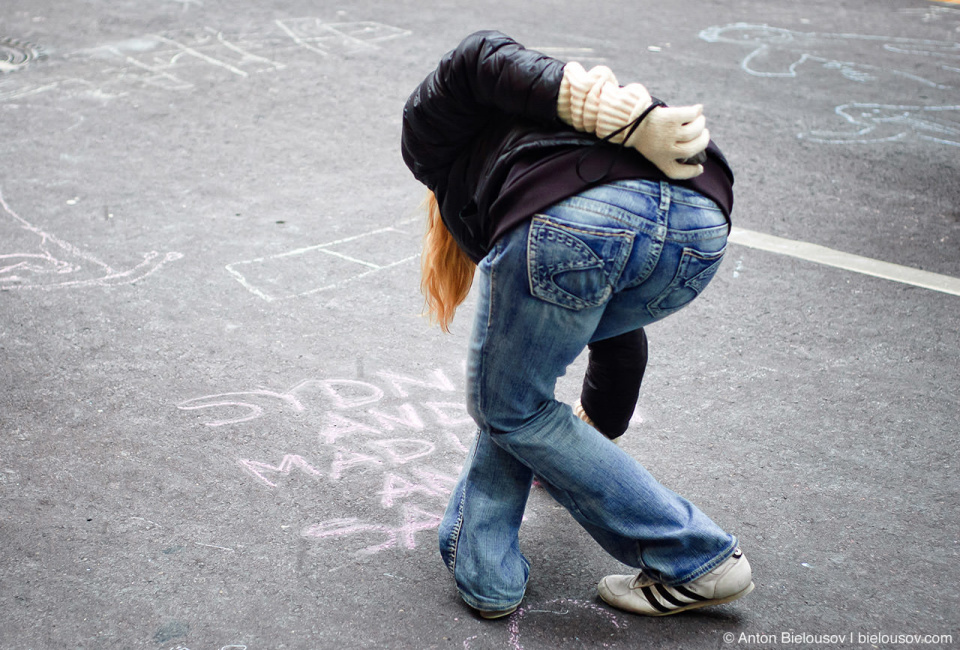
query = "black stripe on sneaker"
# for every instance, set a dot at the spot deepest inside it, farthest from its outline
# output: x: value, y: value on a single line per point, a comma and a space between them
x: 653, y: 601
x: 689, y: 594
x: 667, y: 596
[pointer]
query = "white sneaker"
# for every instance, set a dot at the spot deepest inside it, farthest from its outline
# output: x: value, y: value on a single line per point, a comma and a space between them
x: 641, y: 595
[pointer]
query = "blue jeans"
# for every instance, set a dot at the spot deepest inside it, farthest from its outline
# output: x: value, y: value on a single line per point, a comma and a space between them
x: 607, y: 261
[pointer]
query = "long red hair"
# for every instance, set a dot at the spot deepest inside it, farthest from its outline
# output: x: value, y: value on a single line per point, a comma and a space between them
x: 446, y: 272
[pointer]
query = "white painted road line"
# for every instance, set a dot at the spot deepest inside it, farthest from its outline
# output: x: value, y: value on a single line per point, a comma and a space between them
x: 847, y: 261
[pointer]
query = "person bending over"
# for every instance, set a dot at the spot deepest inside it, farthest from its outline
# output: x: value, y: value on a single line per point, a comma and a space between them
x: 586, y: 210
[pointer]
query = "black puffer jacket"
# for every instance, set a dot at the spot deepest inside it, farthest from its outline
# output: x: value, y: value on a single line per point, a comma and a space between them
x: 489, y: 103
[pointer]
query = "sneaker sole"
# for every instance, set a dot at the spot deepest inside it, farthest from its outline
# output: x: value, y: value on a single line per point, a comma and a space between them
x: 496, y: 614
x: 684, y: 608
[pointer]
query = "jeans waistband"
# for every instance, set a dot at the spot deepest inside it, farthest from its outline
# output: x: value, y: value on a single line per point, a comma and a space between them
x: 659, y: 209
x: 677, y: 193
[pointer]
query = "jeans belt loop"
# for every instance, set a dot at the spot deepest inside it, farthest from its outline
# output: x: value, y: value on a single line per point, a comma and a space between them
x: 664, y: 197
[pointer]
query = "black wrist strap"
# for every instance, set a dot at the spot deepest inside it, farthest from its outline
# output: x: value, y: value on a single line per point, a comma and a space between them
x: 630, y: 128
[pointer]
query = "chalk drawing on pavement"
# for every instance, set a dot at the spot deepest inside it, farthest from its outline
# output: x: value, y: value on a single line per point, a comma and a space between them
x: 558, y: 607
x: 180, y: 60
x: 392, y: 434
x: 325, y: 38
x: 870, y: 123
x: 173, y: 62
x: 413, y: 520
x: 305, y: 271
x: 32, y: 258
x: 891, y: 68
x: 550, y: 610
x: 778, y: 52
x: 339, y: 393
x: 15, y: 54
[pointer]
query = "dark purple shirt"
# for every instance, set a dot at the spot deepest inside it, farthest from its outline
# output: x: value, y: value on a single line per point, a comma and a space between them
x: 538, y: 181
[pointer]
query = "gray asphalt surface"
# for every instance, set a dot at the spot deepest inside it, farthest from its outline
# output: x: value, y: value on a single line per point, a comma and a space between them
x: 224, y: 423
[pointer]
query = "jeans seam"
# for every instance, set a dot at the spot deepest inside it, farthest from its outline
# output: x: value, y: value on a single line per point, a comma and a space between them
x: 705, y: 202
x: 481, y: 374
x: 453, y: 542
x: 597, y: 232
x: 481, y: 354
x: 640, y: 223
x: 655, y: 251
x: 698, y: 235
x: 600, y: 213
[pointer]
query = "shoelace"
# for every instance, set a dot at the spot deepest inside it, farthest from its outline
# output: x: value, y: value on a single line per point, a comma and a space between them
x: 642, y: 581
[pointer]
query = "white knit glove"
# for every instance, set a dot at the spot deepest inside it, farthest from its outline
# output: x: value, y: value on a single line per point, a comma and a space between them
x: 669, y: 135
x: 666, y: 135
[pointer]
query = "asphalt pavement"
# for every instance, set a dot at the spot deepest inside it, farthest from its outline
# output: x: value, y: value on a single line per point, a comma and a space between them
x: 224, y: 422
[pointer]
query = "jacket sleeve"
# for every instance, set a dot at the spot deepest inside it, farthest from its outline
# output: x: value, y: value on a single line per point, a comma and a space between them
x: 486, y: 76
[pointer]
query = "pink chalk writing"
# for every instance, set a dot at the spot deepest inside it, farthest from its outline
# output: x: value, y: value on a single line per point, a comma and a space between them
x: 413, y: 520
x: 376, y: 434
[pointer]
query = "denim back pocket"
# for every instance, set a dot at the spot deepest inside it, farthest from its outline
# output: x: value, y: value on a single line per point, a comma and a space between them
x: 574, y: 265
x: 694, y: 272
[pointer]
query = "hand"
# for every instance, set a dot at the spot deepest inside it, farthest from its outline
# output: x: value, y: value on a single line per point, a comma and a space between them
x: 593, y: 102
x: 671, y: 134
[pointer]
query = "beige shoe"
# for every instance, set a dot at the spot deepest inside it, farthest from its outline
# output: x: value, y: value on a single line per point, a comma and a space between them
x: 580, y: 413
x: 641, y: 595
x: 500, y: 613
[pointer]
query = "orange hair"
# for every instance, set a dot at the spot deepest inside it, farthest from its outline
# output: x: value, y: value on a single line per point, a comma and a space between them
x: 446, y: 272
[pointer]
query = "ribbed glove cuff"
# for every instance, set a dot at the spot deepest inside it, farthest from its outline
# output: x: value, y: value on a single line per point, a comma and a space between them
x: 580, y: 97
x: 593, y: 102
